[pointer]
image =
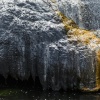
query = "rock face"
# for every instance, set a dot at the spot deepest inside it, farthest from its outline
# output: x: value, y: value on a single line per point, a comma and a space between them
x: 86, y: 13
x: 33, y: 42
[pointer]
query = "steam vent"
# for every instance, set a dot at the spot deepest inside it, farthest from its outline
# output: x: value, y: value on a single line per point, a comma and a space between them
x: 57, y: 41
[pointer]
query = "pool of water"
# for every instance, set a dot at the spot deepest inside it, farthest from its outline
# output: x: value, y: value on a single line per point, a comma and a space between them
x: 20, y: 94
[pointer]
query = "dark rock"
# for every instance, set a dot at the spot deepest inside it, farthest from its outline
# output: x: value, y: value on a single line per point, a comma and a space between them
x: 33, y: 42
x: 86, y: 13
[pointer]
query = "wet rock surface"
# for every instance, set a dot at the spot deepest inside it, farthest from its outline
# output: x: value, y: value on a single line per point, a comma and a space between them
x: 33, y: 42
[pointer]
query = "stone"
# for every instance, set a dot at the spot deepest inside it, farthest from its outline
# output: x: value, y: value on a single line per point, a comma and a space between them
x: 86, y: 13
x: 33, y: 42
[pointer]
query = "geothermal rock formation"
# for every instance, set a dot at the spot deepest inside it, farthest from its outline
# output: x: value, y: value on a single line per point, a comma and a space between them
x: 33, y: 42
x: 86, y: 13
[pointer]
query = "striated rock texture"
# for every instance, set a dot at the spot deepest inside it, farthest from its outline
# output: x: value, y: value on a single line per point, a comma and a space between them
x: 86, y: 13
x: 33, y: 41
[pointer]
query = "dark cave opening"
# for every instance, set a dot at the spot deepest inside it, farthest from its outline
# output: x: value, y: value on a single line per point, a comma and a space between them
x: 10, y: 82
x: 30, y: 84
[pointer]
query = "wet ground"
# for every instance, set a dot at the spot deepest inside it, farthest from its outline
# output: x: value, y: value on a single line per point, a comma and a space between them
x: 20, y: 94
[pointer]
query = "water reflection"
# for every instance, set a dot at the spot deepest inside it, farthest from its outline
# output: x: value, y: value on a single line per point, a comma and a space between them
x: 16, y: 94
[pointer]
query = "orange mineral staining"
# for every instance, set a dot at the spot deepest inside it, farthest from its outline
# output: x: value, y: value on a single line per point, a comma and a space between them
x: 85, y: 37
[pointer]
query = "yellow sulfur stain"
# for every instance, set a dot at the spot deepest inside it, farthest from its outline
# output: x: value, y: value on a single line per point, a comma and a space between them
x: 85, y: 37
